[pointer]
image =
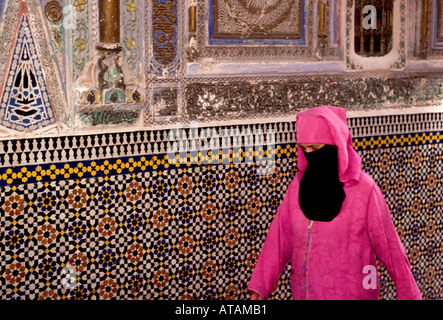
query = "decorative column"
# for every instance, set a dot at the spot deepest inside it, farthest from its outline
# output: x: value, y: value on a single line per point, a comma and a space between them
x: 109, y: 21
x: 424, y: 30
x: 362, y: 34
x: 191, y: 50
x: 109, y: 93
x: 321, y: 33
x: 382, y: 34
x: 110, y: 79
x: 192, y: 16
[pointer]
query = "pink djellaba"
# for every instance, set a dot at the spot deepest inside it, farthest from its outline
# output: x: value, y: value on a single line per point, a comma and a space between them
x: 328, y: 259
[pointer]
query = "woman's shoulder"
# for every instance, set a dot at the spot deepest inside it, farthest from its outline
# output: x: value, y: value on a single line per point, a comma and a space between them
x: 366, y: 182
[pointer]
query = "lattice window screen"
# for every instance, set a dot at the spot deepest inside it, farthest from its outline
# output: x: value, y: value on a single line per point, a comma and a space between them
x: 373, y: 27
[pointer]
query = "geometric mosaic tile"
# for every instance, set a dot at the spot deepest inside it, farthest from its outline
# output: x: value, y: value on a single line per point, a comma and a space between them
x: 138, y: 227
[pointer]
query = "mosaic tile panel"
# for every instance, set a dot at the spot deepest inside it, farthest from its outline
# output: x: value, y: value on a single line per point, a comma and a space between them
x: 154, y: 234
x: 25, y: 101
x: 410, y: 178
x: 130, y: 224
x: 33, y: 98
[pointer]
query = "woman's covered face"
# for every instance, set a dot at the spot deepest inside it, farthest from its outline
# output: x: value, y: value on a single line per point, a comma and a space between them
x: 309, y: 147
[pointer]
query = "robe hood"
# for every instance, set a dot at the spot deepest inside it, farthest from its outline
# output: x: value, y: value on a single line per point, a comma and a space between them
x: 328, y: 125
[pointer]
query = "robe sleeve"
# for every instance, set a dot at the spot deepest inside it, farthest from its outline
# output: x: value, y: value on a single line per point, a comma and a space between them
x: 276, y: 251
x: 388, y: 247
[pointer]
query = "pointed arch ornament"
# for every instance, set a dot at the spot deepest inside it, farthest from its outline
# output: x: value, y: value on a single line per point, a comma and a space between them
x: 31, y: 94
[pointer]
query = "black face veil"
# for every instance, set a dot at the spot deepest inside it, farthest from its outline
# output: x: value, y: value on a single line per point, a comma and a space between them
x: 321, y: 193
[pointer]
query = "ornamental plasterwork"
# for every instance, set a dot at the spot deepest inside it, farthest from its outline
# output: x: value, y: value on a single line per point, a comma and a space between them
x: 41, y: 43
x: 256, y: 19
x: 80, y: 31
x: 164, y: 34
x: 54, y: 24
x: 266, y: 98
x: 132, y: 21
x: 146, y: 84
x: 425, y: 31
x: 165, y: 62
x: 110, y: 85
x: 302, y: 45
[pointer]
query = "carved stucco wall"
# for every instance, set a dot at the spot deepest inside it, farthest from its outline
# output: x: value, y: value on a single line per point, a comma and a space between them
x: 173, y: 64
x: 87, y: 176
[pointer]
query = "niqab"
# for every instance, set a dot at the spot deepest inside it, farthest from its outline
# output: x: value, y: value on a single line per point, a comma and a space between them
x: 321, y: 193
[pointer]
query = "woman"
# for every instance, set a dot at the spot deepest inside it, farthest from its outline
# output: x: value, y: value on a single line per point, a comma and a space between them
x: 332, y: 222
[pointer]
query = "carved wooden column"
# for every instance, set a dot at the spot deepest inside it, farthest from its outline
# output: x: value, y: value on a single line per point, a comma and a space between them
x: 321, y: 33
x: 424, y: 30
x: 109, y: 21
x: 192, y: 28
x: 110, y: 79
x: 382, y: 36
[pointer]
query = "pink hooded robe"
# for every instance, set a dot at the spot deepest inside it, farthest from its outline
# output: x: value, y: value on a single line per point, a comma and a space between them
x: 334, y: 260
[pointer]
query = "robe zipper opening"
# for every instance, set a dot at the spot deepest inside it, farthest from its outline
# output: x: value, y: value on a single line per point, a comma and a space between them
x: 308, y: 248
